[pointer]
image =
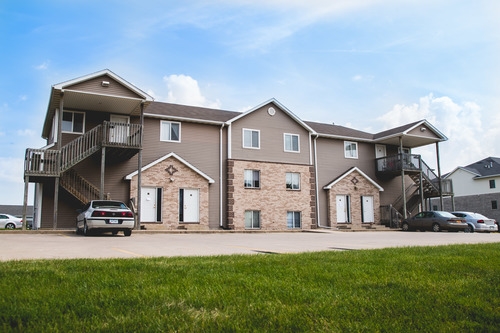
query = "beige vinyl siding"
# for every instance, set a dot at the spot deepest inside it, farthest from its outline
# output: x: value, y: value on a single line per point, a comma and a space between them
x: 94, y: 86
x: 199, y: 145
x: 272, y: 129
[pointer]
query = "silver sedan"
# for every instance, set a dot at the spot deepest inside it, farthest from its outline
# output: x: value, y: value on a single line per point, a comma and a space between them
x: 478, y: 222
x: 8, y: 221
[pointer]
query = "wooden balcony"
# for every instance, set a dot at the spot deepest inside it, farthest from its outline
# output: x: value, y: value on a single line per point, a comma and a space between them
x: 416, y: 168
x: 124, y: 141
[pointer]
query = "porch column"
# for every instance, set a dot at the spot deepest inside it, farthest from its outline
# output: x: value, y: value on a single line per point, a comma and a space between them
x: 403, y: 186
x: 58, y: 162
x: 103, y: 169
x: 25, y: 202
x: 439, y: 177
x: 139, y: 171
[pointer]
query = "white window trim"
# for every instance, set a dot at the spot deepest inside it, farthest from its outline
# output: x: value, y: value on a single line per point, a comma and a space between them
x: 252, y: 227
x: 292, y: 173
x: 73, y: 122
x: 298, y: 142
x: 243, y: 138
x: 345, y: 150
x: 161, y: 130
x: 293, y: 212
x: 252, y: 182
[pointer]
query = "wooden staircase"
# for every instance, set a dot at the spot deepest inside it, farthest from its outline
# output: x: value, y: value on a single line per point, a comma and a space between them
x: 124, y: 141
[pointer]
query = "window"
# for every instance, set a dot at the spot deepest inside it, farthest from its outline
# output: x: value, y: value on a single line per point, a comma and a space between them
x: 293, y: 220
x: 292, y: 181
x: 251, y: 138
x: 492, y: 183
x: 170, y: 131
x: 350, y: 149
x: 252, y: 219
x: 291, y: 142
x: 72, y: 122
x: 252, y: 178
x: 494, y: 204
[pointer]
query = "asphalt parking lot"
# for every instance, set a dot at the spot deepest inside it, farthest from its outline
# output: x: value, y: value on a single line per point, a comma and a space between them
x: 67, y: 245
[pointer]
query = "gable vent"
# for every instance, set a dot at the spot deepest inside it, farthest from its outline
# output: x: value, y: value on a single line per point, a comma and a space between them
x: 105, y: 83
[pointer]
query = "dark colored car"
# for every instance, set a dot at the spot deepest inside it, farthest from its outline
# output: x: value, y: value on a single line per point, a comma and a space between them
x: 435, y: 221
x: 478, y: 222
x: 105, y: 215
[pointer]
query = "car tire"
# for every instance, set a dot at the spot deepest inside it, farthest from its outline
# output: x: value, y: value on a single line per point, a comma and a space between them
x: 86, y: 230
x: 436, y: 227
x: 405, y: 226
x: 469, y: 229
x: 127, y: 232
x: 10, y: 226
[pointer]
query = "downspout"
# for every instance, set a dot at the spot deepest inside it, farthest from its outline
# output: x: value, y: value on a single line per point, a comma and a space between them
x: 221, y: 208
x: 139, y: 170
x: 439, y: 177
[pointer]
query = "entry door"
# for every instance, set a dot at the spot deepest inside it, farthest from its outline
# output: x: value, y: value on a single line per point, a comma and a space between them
x: 381, y: 151
x: 148, y: 204
x: 189, y: 211
x: 368, y: 212
x: 117, y: 133
x: 343, y: 210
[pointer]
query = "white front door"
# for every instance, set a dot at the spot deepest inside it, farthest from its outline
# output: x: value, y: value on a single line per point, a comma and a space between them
x: 380, y: 152
x: 190, y: 205
x: 119, y: 133
x: 368, y: 212
x: 343, y: 209
x: 148, y: 204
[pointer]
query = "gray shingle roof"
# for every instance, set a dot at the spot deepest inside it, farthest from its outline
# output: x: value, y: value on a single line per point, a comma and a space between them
x: 489, y: 166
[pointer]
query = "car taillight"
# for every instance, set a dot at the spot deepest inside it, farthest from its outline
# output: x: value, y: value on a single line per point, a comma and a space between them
x: 98, y: 213
x: 127, y: 214
x: 480, y: 221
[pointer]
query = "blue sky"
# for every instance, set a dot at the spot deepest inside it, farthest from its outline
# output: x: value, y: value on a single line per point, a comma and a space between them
x: 365, y: 64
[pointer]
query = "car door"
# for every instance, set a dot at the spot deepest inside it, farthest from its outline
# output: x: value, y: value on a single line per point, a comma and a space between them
x: 428, y: 220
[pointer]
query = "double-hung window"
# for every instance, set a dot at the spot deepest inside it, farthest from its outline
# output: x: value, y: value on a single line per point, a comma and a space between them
x: 293, y: 220
x: 291, y: 142
x: 293, y: 181
x: 350, y: 149
x: 170, y: 131
x: 251, y: 138
x: 72, y: 122
x: 252, y: 178
x: 252, y: 219
x: 492, y: 183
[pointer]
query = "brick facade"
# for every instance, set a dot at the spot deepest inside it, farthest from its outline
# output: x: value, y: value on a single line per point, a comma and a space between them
x: 171, y: 182
x: 355, y: 186
x: 272, y: 199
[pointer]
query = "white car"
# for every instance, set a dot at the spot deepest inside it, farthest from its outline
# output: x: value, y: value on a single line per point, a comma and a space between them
x: 105, y: 215
x: 8, y: 221
x: 478, y: 222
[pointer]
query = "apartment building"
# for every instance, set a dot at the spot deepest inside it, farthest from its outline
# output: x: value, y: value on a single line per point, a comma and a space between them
x: 194, y: 168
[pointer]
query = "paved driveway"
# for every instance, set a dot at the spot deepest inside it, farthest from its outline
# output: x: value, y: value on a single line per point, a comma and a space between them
x: 34, y: 245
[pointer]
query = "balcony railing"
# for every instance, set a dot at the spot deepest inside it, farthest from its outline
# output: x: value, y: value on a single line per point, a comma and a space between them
x: 44, y: 162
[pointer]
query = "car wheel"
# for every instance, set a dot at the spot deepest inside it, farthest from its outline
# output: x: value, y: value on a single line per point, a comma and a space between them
x: 10, y: 226
x: 127, y: 232
x: 405, y: 226
x: 436, y: 227
x: 86, y: 230
x: 469, y: 229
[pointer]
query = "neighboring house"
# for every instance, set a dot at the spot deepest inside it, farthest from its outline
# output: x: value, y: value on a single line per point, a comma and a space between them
x: 476, y: 188
x: 185, y: 167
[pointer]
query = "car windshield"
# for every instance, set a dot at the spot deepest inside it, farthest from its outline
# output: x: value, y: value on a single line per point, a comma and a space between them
x: 108, y: 204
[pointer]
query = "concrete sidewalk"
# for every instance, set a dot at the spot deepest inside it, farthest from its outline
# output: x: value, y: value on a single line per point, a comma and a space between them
x: 66, y: 245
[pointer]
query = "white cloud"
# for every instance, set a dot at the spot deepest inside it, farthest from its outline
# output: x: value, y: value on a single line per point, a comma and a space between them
x: 469, y: 140
x: 11, y: 170
x: 183, y: 89
x: 43, y: 65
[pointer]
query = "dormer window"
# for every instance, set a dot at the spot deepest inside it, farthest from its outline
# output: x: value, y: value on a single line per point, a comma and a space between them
x: 72, y: 122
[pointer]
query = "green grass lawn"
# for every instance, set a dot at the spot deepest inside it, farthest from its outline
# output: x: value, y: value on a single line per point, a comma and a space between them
x: 419, y: 289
